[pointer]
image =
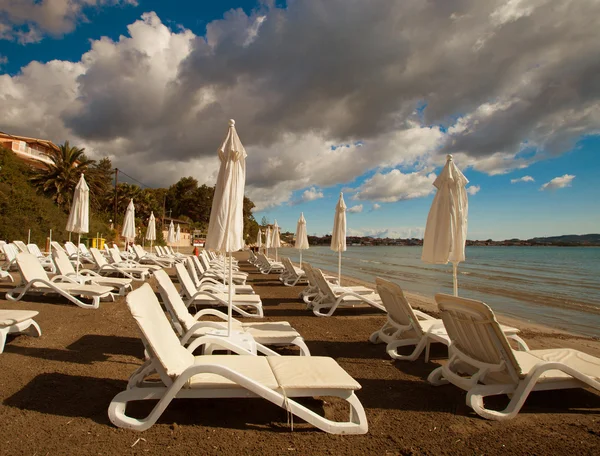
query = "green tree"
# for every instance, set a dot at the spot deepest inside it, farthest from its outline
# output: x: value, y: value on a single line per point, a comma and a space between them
x: 264, y: 221
x: 99, y: 177
x: 58, y: 179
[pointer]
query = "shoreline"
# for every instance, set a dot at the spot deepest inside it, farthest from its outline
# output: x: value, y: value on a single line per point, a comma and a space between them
x: 537, y: 334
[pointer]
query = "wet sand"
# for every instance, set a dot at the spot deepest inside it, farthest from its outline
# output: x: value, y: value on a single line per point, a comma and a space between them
x: 55, y: 391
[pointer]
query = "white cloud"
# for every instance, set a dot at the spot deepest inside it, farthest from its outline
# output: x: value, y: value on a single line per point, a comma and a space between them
x: 355, y: 209
x: 375, y: 207
x: 161, y: 96
x: 396, y: 186
x: 392, y: 233
x: 558, y: 182
x: 28, y: 21
x: 522, y: 179
x: 310, y: 194
x: 473, y: 189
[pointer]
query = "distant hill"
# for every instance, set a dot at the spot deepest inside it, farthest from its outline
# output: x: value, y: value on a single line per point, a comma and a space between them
x: 568, y: 239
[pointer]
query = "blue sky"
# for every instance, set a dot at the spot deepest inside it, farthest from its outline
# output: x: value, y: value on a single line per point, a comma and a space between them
x: 151, y: 84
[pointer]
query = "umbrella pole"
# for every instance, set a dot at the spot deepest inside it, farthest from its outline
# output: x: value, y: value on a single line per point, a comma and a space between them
x: 78, y: 241
x: 300, y: 258
x: 229, y: 317
x: 150, y: 245
x: 69, y: 236
x: 455, y: 278
x: 29, y: 236
x: 340, y: 267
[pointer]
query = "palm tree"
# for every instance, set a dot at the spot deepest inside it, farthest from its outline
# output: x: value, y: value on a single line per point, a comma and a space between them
x: 59, y: 178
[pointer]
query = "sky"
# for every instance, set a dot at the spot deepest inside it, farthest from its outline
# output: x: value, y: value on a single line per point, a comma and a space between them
x: 329, y: 96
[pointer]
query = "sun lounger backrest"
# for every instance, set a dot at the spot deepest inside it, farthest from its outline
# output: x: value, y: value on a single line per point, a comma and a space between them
x: 189, y: 264
x: 11, y: 251
x: 160, y: 340
x: 21, y: 246
x: 198, y: 265
x: 63, y: 265
x: 474, y: 330
x: 70, y: 248
x: 57, y: 246
x: 310, y: 275
x: 115, y: 256
x: 185, y: 280
x: 83, y: 249
x: 34, y: 250
x: 30, y: 268
x: 324, y: 285
x: 98, y: 257
x: 172, y: 300
x: 396, y: 304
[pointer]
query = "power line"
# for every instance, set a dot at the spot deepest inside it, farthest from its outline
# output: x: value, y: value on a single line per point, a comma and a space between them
x: 133, y: 178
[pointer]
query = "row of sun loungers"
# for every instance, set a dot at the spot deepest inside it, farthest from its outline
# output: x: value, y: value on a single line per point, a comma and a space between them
x: 481, y: 358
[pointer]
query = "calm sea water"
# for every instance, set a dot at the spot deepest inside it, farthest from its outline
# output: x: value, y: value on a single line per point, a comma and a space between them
x: 555, y: 286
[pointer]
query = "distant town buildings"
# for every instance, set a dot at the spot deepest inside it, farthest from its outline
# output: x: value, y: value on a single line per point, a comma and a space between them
x: 32, y: 150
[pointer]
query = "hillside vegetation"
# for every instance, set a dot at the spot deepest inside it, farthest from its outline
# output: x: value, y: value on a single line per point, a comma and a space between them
x: 23, y: 208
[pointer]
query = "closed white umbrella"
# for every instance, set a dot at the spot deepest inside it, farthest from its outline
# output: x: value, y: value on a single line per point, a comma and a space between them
x: 151, y: 231
x: 301, y: 236
x: 128, y: 231
x: 267, y: 240
x: 79, y: 217
x: 275, y: 239
x: 338, y: 235
x: 226, y: 225
x: 178, y: 236
x: 171, y: 234
x: 259, y: 240
x: 446, y: 229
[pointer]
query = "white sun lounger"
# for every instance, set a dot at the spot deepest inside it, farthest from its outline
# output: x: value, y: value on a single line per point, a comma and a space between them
x: 73, y: 250
x: 292, y: 275
x: 330, y: 299
x: 36, y: 281
x: 118, y: 261
x: 17, y: 321
x: 483, y: 363
x: 267, y: 266
x: 406, y: 326
x: 311, y: 292
x: 45, y: 261
x: 239, y: 278
x: 278, y: 379
x: 220, y: 286
x: 210, y: 296
x: 105, y: 269
x: 65, y: 268
x: 144, y: 258
x: 191, y: 326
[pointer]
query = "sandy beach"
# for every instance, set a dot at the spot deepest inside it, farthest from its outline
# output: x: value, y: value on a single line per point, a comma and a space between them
x: 56, y: 389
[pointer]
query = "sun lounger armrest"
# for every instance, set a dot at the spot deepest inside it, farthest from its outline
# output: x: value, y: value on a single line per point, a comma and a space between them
x: 214, y: 313
x: 207, y: 294
x: 63, y: 278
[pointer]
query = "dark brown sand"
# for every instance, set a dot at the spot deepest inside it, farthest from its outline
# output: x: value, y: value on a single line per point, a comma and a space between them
x: 56, y: 389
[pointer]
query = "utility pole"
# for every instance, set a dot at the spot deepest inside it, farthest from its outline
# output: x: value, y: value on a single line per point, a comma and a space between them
x: 164, y: 211
x: 116, y: 182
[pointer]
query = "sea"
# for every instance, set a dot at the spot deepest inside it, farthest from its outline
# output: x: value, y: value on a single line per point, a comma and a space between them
x: 555, y: 286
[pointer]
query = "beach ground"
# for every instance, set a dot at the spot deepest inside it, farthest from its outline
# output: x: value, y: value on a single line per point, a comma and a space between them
x: 55, y: 391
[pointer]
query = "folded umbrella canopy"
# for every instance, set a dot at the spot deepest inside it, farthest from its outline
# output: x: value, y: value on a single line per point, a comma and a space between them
x: 226, y: 224
x: 338, y: 235
x: 171, y: 234
x: 79, y: 217
x: 178, y: 236
x: 267, y: 240
x: 259, y: 240
x: 275, y: 239
x: 128, y: 231
x: 446, y: 229
x: 301, y: 236
x: 151, y: 231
